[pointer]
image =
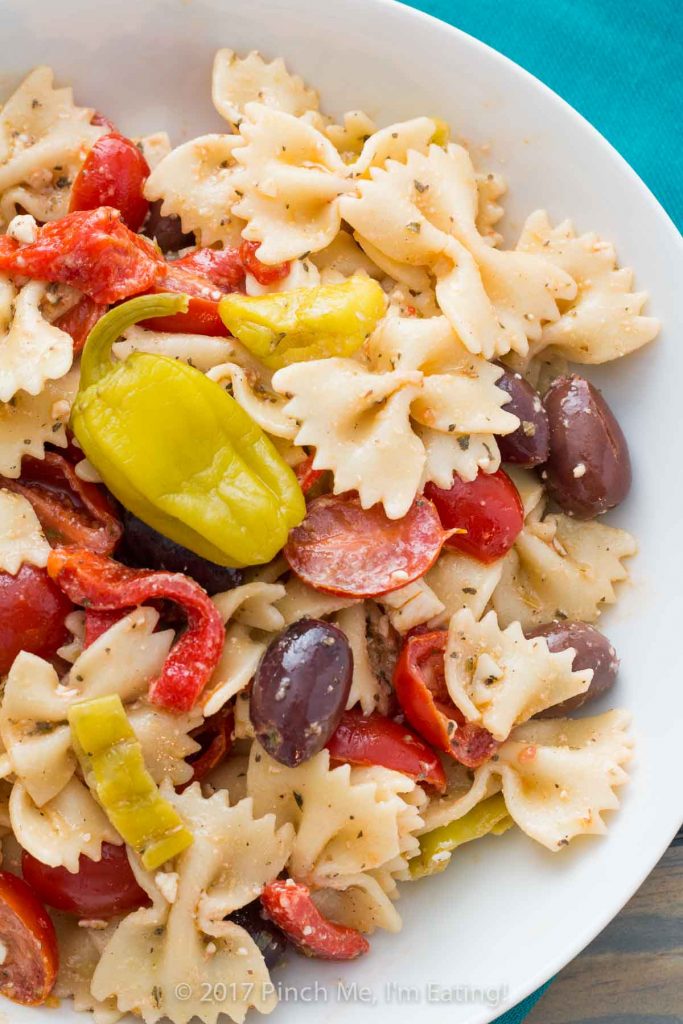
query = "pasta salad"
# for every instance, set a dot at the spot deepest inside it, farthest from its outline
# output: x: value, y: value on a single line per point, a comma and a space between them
x: 301, y: 548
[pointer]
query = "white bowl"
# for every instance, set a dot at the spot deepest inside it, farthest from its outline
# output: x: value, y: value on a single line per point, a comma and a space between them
x: 506, y: 915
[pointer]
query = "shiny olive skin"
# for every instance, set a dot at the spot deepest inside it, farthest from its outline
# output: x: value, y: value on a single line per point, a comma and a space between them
x: 529, y: 444
x: 589, y: 468
x: 593, y: 650
x: 167, y: 231
x: 300, y: 690
x: 267, y: 936
x: 145, y: 548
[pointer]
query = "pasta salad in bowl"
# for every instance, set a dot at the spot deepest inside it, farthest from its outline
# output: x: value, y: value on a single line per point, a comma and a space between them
x: 302, y: 546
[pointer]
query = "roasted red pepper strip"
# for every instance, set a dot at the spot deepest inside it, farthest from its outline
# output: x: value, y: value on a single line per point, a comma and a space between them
x: 80, y: 320
x: 306, y: 475
x: 263, y: 273
x: 420, y: 685
x: 215, y: 738
x: 100, y: 583
x: 92, y: 250
x: 375, y: 739
x: 98, y: 622
x: 290, y: 907
x: 70, y: 510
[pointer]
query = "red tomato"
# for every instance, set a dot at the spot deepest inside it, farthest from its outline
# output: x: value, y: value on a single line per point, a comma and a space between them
x: 222, y: 268
x: 103, y: 121
x: 70, y: 510
x: 32, y: 613
x: 205, y: 276
x: 92, y: 250
x: 378, y: 740
x: 489, y: 508
x: 420, y: 685
x: 80, y: 320
x: 290, y: 907
x: 214, y: 736
x: 263, y: 273
x: 113, y: 174
x: 31, y: 960
x: 341, y: 548
x: 306, y: 475
x: 99, y: 889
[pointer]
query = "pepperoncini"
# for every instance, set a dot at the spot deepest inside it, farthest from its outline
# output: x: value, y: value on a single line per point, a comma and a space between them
x: 490, y: 816
x: 114, y: 769
x: 178, y: 451
x: 305, y: 323
x: 442, y: 134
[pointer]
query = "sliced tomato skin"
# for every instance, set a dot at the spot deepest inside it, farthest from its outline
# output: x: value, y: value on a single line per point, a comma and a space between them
x: 113, y: 174
x: 70, y: 510
x: 265, y: 274
x: 214, y: 736
x: 92, y: 250
x: 342, y: 548
x: 488, y: 508
x: 289, y: 906
x: 99, y: 889
x: 420, y: 685
x: 80, y: 320
x: 204, y: 275
x: 29, y: 969
x: 376, y: 740
x: 32, y: 614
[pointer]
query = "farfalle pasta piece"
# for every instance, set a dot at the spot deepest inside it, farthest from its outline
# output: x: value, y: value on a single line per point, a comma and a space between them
x: 59, y: 831
x: 412, y: 606
x: 28, y: 422
x: 35, y: 704
x: 263, y: 405
x: 243, y: 609
x: 80, y: 950
x: 346, y: 822
x: 196, y: 183
x: 368, y: 427
x: 199, y: 350
x: 559, y: 776
x: 165, y: 740
x: 237, y: 81
x: 289, y: 178
x: 350, y: 136
x: 499, y: 679
x: 423, y: 213
x: 394, y: 143
x: 159, y: 954
x: 464, y: 791
x: 561, y: 567
x: 32, y: 350
x: 490, y: 188
x: 21, y: 536
x: 44, y: 139
x: 605, y: 319
x: 367, y: 688
x: 462, y: 582
x: 304, y: 602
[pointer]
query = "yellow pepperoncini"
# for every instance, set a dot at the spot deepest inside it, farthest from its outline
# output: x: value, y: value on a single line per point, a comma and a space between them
x: 490, y: 816
x: 442, y: 133
x: 305, y: 323
x: 114, y: 769
x: 178, y: 451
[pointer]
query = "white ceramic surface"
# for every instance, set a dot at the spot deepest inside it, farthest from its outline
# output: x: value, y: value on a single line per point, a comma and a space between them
x: 506, y: 915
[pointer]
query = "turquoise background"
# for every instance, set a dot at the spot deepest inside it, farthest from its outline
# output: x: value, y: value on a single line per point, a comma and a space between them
x: 618, y: 62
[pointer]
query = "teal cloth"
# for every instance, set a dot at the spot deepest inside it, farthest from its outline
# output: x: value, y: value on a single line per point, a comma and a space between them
x: 618, y: 62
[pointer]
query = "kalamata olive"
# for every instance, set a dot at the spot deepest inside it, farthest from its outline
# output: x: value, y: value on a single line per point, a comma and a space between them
x: 167, y: 231
x: 593, y: 650
x: 300, y: 690
x: 528, y: 444
x: 146, y: 548
x: 267, y: 936
x: 589, y: 469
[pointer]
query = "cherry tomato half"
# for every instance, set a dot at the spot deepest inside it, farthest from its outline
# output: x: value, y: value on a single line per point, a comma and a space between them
x: 80, y: 320
x: 31, y: 959
x: 100, y: 889
x: 214, y: 736
x: 113, y: 174
x: 290, y: 907
x: 420, y: 684
x: 489, y: 508
x: 32, y: 613
x: 375, y: 739
x: 342, y: 548
x: 189, y: 275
